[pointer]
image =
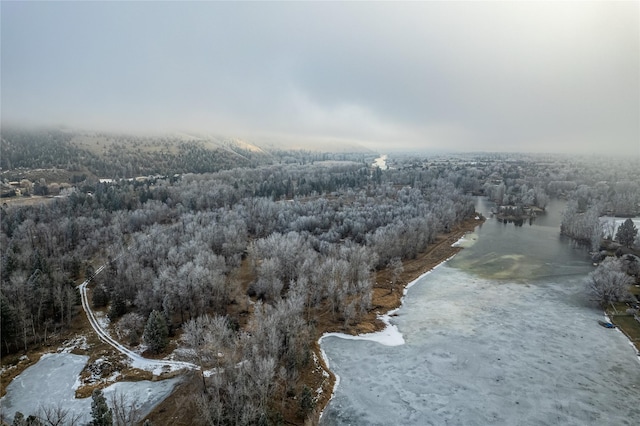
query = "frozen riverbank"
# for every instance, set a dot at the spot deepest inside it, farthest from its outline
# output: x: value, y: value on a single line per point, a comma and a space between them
x: 502, y: 334
x: 52, y: 382
x: 469, y: 360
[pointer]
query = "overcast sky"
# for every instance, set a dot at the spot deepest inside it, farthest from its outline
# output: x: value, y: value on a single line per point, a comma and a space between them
x: 481, y: 76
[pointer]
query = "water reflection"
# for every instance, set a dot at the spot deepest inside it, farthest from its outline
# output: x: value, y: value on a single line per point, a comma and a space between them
x: 522, y: 254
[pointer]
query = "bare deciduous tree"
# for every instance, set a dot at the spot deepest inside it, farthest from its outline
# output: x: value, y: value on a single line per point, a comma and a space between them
x: 608, y: 283
x: 125, y: 410
x: 56, y: 415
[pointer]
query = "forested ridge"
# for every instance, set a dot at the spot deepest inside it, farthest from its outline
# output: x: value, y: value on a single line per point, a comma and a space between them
x: 101, y: 155
x: 237, y: 265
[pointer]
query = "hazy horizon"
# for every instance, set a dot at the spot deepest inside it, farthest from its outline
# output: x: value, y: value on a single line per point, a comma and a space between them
x: 444, y: 76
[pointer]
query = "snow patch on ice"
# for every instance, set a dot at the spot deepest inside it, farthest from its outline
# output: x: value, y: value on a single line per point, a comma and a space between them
x: 467, y: 240
x: 76, y: 385
x: 44, y: 356
x: 390, y: 336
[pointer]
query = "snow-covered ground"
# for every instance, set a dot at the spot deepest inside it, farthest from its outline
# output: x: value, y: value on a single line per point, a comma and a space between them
x: 99, y: 323
x: 390, y: 336
x: 53, y: 380
x: 381, y: 162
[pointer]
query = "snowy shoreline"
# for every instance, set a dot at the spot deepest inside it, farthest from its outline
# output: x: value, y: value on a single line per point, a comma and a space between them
x: 467, y: 354
x: 390, y: 335
x: 607, y: 319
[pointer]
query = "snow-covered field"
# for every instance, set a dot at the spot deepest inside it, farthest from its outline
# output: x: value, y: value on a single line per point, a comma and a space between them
x: 381, y: 162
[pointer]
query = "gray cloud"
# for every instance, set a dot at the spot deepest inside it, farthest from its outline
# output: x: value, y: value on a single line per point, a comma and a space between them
x: 454, y: 75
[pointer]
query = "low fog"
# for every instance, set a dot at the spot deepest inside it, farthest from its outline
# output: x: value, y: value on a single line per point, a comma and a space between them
x: 485, y: 76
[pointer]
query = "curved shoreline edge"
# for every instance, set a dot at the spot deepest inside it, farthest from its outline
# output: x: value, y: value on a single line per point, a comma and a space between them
x: 389, y: 335
x: 394, y: 336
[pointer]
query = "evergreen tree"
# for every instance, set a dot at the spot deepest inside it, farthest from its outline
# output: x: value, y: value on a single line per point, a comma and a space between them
x: 18, y: 419
x: 306, y: 403
x: 8, y: 323
x: 100, y: 297
x: 156, y: 333
x: 33, y: 421
x: 101, y: 414
x: 626, y: 233
x: 117, y: 308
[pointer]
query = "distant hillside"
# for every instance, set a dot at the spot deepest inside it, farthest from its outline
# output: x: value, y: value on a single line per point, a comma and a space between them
x: 111, y: 155
x: 103, y: 155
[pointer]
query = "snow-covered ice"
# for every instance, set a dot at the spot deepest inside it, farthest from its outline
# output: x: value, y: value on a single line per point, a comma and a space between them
x: 390, y: 336
x: 53, y: 380
x: 469, y: 360
x: 503, y: 334
x: 49, y: 382
x: 467, y: 240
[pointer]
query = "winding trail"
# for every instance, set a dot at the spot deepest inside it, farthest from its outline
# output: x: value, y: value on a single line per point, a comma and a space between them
x: 137, y: 361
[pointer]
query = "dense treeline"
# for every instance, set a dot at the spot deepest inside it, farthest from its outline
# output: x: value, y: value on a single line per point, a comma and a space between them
x: 592, y: 187
x: 37, y: 149
x: 310, y: 237
x: 118, y: 156
x: 114, y: 156
x: 600, y: 189
x: 242, y: 261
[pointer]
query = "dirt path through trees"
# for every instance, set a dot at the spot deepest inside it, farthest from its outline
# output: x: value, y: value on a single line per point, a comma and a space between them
x: 137, y: 361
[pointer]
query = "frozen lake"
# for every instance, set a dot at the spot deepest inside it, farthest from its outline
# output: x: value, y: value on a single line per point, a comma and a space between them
x: 52, y: 382
x: 502, y: 334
